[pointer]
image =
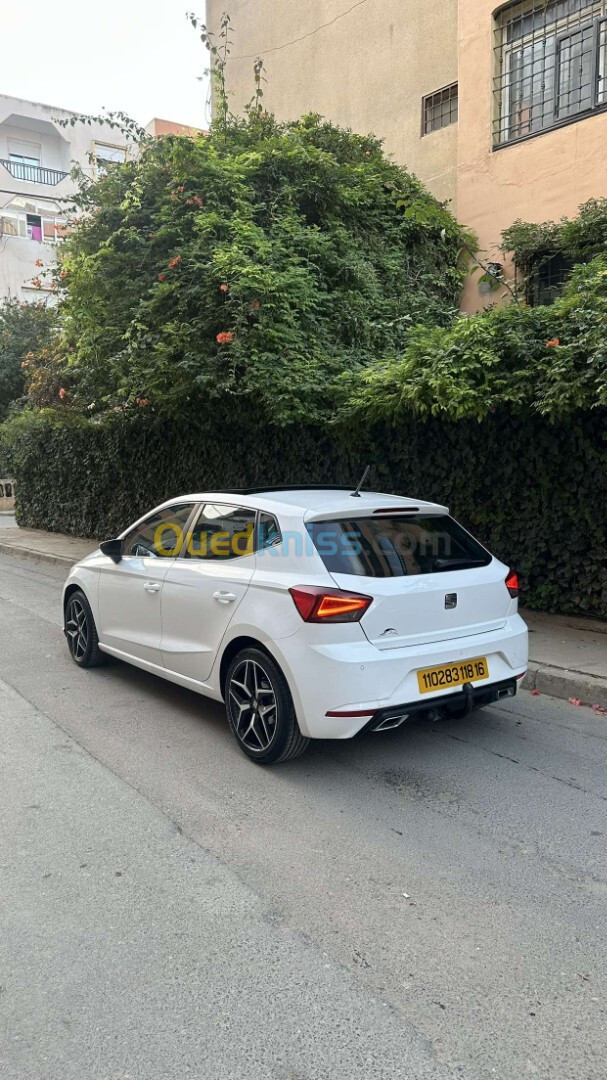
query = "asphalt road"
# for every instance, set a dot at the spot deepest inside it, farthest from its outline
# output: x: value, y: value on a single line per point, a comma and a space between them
x: 426, y: 903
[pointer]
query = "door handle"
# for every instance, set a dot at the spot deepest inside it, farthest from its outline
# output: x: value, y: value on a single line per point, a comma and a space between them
x: 225, y: 597
x: 152, y: 586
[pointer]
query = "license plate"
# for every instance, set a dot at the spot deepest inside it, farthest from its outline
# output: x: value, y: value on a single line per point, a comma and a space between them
x: 446, y: 676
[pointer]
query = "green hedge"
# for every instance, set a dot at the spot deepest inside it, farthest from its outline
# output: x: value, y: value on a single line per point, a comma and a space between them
x: 535, y: 492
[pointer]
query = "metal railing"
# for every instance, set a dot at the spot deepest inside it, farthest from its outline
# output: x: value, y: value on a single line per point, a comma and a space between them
x: 35, y: 174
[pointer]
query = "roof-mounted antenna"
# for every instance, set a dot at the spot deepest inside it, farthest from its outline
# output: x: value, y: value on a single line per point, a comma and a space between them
x: 356, y: 494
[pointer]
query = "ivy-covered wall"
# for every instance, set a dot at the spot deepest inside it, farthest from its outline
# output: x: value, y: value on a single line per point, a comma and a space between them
x: 534, y: 491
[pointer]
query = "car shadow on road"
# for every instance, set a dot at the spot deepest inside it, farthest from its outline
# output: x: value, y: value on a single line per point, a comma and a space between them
x: 414, y: 741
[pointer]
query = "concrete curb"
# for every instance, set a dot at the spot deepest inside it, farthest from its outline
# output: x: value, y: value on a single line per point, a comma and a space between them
x: 37, y: 556
x: 562, y: 683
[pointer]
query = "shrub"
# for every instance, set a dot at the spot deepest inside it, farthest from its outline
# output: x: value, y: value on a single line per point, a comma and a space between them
x: 577, y: 239
x: 25, y: 334
x: 260, y: 261
x: 547, y: 360
x: 534, y: 491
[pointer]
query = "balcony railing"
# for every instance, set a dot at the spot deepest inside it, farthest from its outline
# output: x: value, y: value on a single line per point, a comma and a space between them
x: 34, y: 174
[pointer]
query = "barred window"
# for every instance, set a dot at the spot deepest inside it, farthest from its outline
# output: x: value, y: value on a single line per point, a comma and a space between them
x: 546, y: 279
x: 439, y: 109
x: 550, y: 65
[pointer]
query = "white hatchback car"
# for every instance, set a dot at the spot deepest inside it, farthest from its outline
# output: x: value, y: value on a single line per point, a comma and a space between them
x: 312, y: 612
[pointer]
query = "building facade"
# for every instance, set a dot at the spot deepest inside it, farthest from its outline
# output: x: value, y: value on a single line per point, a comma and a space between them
x: 39, y: 145
x: 367, y: 70
x: 37, y: 154
x: 532, y: 142
x: 502, y: 110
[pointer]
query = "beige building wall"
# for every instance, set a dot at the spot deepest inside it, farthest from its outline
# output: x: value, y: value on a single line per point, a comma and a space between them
x: 368, y: 70
x: 542, y: 178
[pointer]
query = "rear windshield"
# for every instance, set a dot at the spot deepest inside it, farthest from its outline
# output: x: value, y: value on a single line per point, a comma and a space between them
x: 396, y: 546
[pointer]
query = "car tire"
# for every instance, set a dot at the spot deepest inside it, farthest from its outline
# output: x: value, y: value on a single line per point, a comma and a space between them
x: 81, y: 632
x: 260, y: 709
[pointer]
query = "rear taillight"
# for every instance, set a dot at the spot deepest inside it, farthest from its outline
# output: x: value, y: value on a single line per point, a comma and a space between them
x: 512, y: 583
x: 319, y: 605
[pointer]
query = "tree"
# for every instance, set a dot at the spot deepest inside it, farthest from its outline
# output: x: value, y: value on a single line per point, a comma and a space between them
x: 25, y: 333
x: 262, y: 260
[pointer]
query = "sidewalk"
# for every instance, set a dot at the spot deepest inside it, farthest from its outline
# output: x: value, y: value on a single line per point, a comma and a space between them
x: 567, y: 655
x: 53, y: 548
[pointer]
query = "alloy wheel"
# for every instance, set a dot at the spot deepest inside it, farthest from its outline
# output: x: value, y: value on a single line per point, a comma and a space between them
x: 253, y: 705
x: 77, y: 630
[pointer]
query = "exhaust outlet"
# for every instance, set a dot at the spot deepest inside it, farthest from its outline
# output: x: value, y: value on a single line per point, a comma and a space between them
x: 391, y: 722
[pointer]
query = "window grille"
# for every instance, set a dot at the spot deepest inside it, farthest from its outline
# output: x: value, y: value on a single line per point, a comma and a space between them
x: 550, y: 65
x: 547, y: 279
x: 439, y: 109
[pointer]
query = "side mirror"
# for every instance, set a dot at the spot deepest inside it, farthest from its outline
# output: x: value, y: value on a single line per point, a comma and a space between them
x: 112, y: 548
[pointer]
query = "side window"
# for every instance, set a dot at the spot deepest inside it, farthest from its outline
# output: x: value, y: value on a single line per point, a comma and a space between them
x: 221, y: 532
x: 160, y: 535
x: 268, y: 532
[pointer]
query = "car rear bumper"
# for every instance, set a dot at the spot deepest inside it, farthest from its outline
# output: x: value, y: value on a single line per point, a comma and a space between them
x: 460, y: 703
x: 338, y: 689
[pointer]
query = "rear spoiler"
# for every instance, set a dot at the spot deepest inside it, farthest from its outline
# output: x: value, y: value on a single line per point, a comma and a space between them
x: 357, y: 511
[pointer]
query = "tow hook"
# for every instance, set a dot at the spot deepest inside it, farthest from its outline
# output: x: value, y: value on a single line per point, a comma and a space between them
x: 468, y: 698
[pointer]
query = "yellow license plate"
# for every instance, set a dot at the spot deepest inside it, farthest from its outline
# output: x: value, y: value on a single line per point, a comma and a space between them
x: 446, y: 676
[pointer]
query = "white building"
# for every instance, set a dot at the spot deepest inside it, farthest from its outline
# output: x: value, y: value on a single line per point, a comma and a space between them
x: 36, y: 156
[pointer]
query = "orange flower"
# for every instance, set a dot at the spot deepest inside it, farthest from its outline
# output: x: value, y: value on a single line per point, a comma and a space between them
x: 62, y: 393
x: 255, y: 305
x: 224, y: 288
x: 225, y: 337
x: 553, y: 343
x: 38, y: 262
x: 36, y: 283
x: 162, y: 277
x: 181, y: 188
x: 142, y: 402
x: 25, y: 363
x: 198, y: 200
x: 174, y: 262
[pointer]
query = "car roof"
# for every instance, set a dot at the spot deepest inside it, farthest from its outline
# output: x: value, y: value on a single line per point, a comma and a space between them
x: 313, y: 501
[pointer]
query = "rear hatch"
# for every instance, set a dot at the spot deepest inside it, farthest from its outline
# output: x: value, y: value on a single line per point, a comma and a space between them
x: 430, y: 579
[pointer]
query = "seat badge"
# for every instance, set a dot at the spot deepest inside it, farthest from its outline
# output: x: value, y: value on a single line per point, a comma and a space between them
x: 450, y: 600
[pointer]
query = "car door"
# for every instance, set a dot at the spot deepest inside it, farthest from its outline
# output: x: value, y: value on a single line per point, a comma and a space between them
x: 203, y: 589
x: 130, y: 592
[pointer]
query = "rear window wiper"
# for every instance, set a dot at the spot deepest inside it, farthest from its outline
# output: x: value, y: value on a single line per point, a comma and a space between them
x: 458, y: 564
